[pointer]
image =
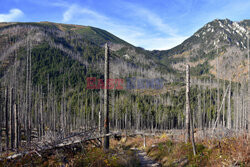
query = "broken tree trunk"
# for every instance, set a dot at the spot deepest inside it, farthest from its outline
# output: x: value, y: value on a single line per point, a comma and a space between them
x: 187, y: 106
x: 106, y: 98
x: 189, y: 118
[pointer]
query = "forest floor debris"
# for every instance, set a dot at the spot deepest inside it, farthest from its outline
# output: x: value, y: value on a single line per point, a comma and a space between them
x: 160, y: 150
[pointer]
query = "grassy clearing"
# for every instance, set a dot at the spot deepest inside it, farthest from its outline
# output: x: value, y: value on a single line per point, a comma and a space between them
x: 226, y: 152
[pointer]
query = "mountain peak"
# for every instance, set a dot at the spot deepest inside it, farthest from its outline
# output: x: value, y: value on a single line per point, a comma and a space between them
x: 221, y: 38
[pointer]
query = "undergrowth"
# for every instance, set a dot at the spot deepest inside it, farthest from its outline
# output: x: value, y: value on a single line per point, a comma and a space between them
x: 225, y: 152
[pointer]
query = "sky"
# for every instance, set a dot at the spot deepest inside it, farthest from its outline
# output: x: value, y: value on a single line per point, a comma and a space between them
x: 151, y: 24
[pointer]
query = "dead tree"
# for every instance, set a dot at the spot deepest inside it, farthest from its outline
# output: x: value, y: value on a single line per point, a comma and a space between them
x: 237, y: 107
x: 12, y: 119
x: 106, y: 98
x: 204, y: 103
x: 189, y: 119
x: 41, y: 124
x: 187, y: 106
x: 1, y: 117
x: 229, y: 120
x: 92, y: 110
x: 199, y: 106
x: 210, y: 103
x: 218, y: 89
x: 6, y: 118
x: 17, y: 126
x: 113, y: 108
x: 248, y: 110
x: 223, y: 110
x: 100, y: 113
x: 28, y: 92
x: 224, y: 97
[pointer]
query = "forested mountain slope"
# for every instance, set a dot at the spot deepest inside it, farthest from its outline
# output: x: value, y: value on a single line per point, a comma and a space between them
x: 83, y: 44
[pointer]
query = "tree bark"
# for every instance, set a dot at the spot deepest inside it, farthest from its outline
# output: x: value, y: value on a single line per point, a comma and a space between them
x: 189, y: 119
x: 12, y: 118
x: 223, y: 110
x: 229, y: 122
x: 187, y: 106
x: 199, y: 106
x: 7, y: 118
x: 218, y: 89
x: 106, y: 98
x: 100, y: 113
x: 1, y: 118
x: 248, y: 107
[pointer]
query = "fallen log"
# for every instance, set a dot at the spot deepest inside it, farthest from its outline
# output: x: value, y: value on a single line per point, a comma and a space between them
x: 76, y: 138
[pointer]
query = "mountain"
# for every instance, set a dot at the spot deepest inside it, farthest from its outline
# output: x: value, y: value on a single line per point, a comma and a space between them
x: 47, y: 64
x: 55, y: 47
x: 200, y: 50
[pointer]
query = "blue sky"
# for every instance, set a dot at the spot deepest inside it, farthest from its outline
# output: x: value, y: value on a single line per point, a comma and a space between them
x: 155, y: 24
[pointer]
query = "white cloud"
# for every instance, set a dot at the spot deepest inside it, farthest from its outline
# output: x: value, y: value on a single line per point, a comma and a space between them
x: 136, y: 35
x: 13, y: 15
x: 75, y: 10
x: 151, y: 19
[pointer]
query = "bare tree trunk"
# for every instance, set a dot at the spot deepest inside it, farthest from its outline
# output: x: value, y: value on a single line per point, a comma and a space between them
x: 187, y: 106
x: 199, y: 106
x: 41, y: 129
x: 7, y: 118
x: 189, y: 119
x: 240, y: 108
x: 92, y: 110
x: 237, y: 107
x: 218, y: 89
x: 19, y: 114
x: 100, y: 113
x: 116, y: 116
x: 192, y: 133
x: 12, y: 118
x: 248, y: 107
x: 125, y: 118
x: 113, y: 108
x: 1, y: 118
x: 210, y: 102
x: 30, y: 95
x: 54, y: 112
x: 204, y: 100
x: 17, y: 123
x: 106, y: 98
x: 223, y: 111
x: 229, y: 123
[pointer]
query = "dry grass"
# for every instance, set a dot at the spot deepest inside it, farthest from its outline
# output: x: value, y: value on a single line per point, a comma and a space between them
x: 165, y: 149
x: 86, y: 155
x: 225, y: 152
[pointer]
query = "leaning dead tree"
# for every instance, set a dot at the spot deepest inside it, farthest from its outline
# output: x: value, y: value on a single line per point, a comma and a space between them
x: 189, y: 119
x: 106, y: 98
